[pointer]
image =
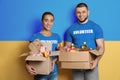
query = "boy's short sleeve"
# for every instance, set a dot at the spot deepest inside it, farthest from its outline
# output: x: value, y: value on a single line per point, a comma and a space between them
x: 33, y: 38
x: 59, y: 39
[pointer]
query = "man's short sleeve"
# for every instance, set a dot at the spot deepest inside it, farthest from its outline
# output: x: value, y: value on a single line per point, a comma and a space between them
x: 99, y: 32
x: 68, y: 36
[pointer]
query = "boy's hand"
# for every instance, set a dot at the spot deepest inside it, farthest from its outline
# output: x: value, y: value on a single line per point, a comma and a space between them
x: 30, y: 69
x: 52, y: 64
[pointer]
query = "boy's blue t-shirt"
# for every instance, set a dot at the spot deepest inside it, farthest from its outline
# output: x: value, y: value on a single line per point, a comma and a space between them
x: 80, y: 33
x: 54, y: 39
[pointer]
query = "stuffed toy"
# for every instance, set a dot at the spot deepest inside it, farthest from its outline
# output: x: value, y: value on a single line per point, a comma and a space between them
x: 38, y: 49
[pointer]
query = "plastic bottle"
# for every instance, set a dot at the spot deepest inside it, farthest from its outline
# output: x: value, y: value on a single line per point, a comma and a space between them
x: 84, y: 45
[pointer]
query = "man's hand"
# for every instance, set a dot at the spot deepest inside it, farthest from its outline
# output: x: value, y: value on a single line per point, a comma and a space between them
x: 94, y: 63
x: 30, y: 69
x: 100, y: 48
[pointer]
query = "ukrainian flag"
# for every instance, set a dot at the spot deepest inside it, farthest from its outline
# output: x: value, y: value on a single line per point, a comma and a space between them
x: 19, y: 19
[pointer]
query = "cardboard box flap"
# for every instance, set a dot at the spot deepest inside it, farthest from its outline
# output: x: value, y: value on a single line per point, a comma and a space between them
x: 95, y: 52
x: 54, y: 53
x: 74, y: 56
x: 47, y: 45
x: 24, y: 54
x: 35, y: 58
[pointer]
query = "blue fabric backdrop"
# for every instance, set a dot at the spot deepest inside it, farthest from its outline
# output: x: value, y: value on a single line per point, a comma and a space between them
x: 19, y: 19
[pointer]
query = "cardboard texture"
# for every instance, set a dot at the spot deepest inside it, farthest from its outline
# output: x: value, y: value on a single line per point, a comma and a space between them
x: 41, y: 64
x: 77, y: 60
x: 42, y: 67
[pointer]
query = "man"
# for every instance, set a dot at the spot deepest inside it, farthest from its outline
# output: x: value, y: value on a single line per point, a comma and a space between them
x: 87, y: 31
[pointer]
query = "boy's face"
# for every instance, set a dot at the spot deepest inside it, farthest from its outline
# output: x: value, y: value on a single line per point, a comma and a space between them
x: 48, y: 22
x: 82, y: 14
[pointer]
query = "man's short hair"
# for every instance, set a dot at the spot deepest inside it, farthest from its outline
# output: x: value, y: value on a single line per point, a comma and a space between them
x: 82, y: 5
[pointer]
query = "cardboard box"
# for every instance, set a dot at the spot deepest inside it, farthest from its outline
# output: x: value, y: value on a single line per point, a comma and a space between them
x: 41, y: 64
x: 77, y: 60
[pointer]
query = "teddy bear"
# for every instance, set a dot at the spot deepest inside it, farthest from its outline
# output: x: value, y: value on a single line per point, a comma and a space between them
x: 38, y: 49
x: 35, y: 46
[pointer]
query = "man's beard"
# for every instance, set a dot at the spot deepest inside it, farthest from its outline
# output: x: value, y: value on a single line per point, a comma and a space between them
x: 83, y: 20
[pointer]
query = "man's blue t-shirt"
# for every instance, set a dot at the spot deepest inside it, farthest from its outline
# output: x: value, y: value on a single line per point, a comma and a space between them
x: 54, y: 39
x: 80, y: 33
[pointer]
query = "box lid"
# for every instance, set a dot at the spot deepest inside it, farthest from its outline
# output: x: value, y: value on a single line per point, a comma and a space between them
x: 41, y: 58
x: 24, y: 55
x: 95, y: 52
x: 35, y: 58
x: 48, y: 45
x: 54, y: 53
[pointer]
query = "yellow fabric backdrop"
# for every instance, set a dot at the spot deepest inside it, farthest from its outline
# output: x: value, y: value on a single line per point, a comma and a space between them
x: 12, y: 66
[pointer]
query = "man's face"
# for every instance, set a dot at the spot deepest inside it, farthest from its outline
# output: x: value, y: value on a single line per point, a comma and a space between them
x: 82, y: 14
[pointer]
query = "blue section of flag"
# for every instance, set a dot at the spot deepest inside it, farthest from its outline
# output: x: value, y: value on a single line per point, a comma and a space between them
x: 19, y: 19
